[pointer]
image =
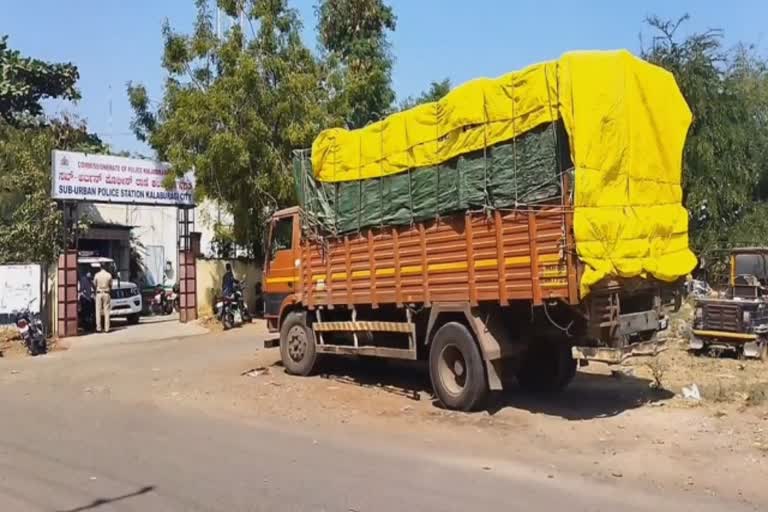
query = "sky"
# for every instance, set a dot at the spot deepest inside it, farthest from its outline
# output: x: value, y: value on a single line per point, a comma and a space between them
x: 115, y: 41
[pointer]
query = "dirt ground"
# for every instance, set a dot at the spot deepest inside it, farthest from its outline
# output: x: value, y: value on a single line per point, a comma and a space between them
x: 10, y: 343
x: 608, y: 425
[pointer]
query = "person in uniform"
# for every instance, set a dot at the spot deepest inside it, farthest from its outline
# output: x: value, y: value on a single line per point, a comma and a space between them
x: 103, y: 282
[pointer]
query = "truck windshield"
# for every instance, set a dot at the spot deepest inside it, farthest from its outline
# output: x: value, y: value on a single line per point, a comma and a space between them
x: 752, y: 264
x: 282, y: 235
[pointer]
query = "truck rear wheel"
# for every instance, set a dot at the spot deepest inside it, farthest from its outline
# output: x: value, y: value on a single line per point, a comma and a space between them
x: 547, y: 366
x: 456, y: 368
x: 297, y: 345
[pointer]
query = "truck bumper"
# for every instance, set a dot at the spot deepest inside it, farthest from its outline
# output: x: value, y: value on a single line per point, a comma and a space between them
x: 749, y: 343
x: 618, y: 355
x: 702, y: 336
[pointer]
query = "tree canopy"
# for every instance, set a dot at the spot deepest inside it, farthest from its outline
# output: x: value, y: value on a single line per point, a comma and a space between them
x: 724, y: 173
x: 435, y: 92
x: 353, y: 34
x: 31, y: 228
x: 25, y: 82
x: 236, y: 105
x: 30, y: 221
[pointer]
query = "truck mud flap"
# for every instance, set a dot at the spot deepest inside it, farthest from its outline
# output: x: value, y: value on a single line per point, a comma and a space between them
x: 618, y: 355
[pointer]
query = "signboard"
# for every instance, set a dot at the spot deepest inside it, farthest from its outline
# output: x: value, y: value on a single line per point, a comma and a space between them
x: 116, y: 179
x: 20, y: 285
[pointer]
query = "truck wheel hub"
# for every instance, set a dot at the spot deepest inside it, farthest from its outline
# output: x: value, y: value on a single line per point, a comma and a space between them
x: 297, y: 343
x: 452, y: 370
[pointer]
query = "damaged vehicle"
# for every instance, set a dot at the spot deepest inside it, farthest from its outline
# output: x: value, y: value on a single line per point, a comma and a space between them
x: 737, y: 322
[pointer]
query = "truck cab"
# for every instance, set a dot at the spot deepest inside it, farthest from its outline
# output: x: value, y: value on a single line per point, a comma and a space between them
x: 281, y: 264
x: 738, y: 321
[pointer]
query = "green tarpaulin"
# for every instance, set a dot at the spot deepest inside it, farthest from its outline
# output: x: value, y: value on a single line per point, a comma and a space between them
x: 519, y: 172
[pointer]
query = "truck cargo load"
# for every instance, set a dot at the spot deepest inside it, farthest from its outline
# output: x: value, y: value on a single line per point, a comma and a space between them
x: 515, y: 228
x: 615, y: 121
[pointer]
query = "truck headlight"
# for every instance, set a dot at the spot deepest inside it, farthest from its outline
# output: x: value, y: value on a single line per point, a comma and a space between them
x: 698, y: 313
x: 747, y: 317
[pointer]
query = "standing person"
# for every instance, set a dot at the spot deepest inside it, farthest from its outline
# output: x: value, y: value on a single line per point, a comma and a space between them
x: 87, y: 304
x: 103, y: 281
x: 228, y: 282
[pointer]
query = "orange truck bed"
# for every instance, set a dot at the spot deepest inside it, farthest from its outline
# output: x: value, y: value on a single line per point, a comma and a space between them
x: 501, y: 256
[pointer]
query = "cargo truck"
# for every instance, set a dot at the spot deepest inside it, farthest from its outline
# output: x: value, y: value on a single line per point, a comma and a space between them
x: 515, y: 282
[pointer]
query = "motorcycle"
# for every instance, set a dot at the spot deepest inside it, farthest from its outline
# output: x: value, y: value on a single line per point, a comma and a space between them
x: 240, y: 299
x: 162, y: 304
x: 173, y: 297
x: 228, y: 312
x: 31, y: 330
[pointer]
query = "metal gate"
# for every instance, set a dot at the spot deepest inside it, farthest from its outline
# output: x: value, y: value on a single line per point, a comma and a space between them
x: 187, y: 266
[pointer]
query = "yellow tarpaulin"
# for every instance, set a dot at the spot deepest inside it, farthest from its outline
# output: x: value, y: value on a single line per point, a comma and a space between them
x: 477, y: 114
x: 626, y: 121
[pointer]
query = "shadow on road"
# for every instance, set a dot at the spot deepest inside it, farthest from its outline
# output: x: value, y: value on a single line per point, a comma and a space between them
x: 112, y: 328
x: 589, y: 396
x: 99, y: 502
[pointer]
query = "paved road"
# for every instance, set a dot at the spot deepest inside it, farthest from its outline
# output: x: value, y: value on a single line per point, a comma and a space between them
x: 63, y: 450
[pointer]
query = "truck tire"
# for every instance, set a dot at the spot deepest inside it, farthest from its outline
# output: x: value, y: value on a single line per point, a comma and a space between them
x: 297, y: 345
x: 456, y: 368
x: 547, y: 367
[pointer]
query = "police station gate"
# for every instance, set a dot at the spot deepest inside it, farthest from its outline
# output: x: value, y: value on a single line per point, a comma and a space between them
x: 80, y: 177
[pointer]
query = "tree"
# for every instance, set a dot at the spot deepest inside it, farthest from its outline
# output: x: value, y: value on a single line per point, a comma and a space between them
x: 358, y: 60
x: 235, y: 107
x: 25, y: 81
x: 30, y: 221
x: 724, y: 172
x: 435, y: 92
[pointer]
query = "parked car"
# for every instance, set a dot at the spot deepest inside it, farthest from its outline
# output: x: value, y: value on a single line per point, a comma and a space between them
x: 126, y: 296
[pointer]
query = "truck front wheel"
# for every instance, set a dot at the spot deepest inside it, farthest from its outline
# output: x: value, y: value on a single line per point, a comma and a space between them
x: 297, y: 345
x: 547, y: 366
x: 456, y: 368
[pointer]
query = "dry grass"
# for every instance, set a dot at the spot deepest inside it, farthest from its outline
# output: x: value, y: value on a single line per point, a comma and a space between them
x: 721, y: 380
x: 717, y: 392
x: 8, y: 334
x: 10, y: 345
x: 757, y: 394
x: 658, y: 368
x: 211, y: 322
